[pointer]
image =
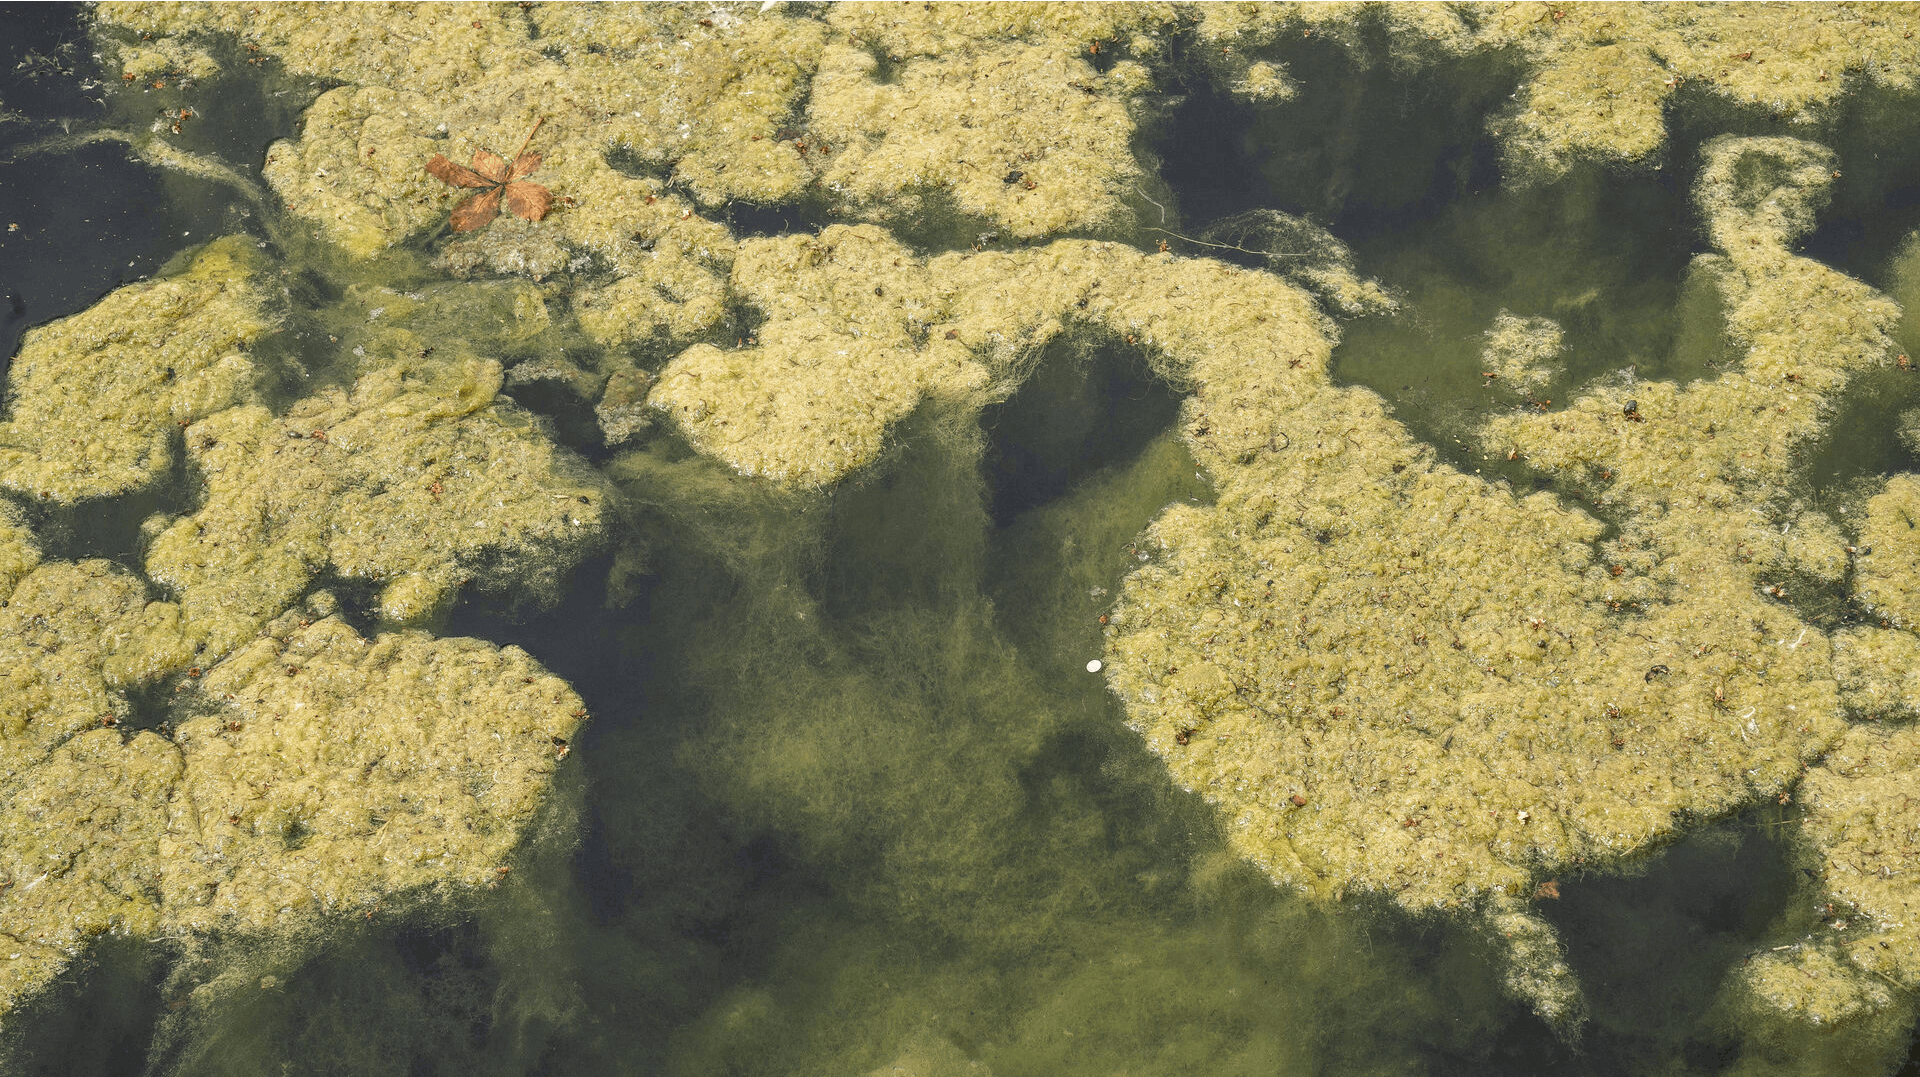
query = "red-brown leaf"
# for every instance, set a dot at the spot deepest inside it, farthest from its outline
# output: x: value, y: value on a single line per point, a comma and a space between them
x: 529, y: 200
x: 476, y: 211
x: 490, y: 165
x: 455, y: 175
x: 523, y: 166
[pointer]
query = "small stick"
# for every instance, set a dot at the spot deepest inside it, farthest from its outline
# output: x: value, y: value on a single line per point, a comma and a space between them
x: 530, y: 134
x: 1229, y: 246
x: 1148, y: 197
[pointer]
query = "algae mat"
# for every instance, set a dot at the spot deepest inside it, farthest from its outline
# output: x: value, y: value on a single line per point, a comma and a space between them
x: 960, y: 539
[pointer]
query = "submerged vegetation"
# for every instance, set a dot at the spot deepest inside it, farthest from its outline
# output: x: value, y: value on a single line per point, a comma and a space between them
x: 1112, y: 537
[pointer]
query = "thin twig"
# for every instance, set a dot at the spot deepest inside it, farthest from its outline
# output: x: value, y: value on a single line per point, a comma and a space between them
x: 1148, y: 197
x: 1231, y: 247
x: 530, y: 134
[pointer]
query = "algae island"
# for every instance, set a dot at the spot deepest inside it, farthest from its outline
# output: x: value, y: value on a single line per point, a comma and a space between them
x: 1141, y: 537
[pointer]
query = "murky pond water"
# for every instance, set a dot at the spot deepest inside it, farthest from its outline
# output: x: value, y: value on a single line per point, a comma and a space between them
x: 854, y: 793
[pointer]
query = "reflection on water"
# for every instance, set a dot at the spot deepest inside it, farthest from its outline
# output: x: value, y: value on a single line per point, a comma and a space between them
x: 850, y: 801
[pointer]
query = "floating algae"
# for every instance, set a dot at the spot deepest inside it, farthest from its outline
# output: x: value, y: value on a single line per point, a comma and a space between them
x: 1599, y: 77
x: 256, y: 813
x: 420, y: 479
x: 450, y: 747
x: 96, y: 398
x: 259, y: 813
x: 1389, y: 676
x: 1303, y: 654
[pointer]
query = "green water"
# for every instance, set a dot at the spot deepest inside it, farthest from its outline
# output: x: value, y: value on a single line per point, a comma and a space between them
x: 850, y: 799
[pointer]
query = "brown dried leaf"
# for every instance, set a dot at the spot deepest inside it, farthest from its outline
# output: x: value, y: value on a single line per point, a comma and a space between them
x: 490, y: 165
x: 477, y: 211
x: 529, y: 200
x: 455, y: 175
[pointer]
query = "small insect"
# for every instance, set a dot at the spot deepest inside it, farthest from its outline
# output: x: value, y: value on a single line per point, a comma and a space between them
x: 1184, y: 736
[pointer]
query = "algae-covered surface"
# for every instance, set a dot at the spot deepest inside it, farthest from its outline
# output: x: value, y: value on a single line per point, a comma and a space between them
x: 960, y: 539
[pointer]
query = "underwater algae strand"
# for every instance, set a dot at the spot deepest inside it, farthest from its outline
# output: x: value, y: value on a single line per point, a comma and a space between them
x: 1388, y: 678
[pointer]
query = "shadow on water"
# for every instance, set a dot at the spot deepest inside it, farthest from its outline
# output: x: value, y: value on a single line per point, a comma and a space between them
x: 1360, y: 149
x: 97, y: 1018
x: 1550, y: 251
x: 68, y: 252
x: 1091, y: 403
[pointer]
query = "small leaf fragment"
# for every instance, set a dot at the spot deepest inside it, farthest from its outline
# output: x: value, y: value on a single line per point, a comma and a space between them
x: 528, y: 200
x: 490, y: 165
x: 477, y: 211
x: 455, y: 175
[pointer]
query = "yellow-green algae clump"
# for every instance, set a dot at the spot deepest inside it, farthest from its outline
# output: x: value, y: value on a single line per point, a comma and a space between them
x: 419, y: 479
x: 312, y: 769
x: 96, y: 399
x: 662, y: 88
x: 1390, y: 675
x: 1524, y: 698
x: 1861, y: 824
x: 327, y: 772
x: 1598, y: 79
x: 998, y: 106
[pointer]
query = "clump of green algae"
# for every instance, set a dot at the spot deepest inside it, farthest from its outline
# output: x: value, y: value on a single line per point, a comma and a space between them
x: 96, y: 397
x: 1462, y: 693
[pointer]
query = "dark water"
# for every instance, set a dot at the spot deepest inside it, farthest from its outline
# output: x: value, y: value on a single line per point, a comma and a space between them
x: 849, y: 798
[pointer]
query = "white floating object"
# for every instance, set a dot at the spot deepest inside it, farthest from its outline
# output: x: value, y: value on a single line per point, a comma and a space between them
x: 1093, y: 666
